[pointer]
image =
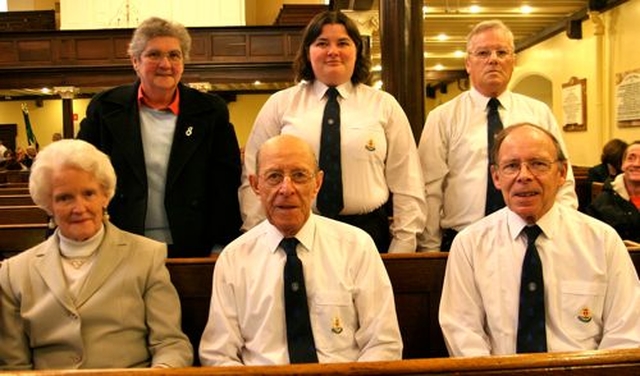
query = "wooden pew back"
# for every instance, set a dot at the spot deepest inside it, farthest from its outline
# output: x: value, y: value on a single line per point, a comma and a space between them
x: 14, y: 189
x: 22, y: 214
x: 417, y: 285
x: 21, y: 227
x: 15, y: 199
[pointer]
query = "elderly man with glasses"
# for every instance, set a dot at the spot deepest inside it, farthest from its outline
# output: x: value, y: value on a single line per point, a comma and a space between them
x: 298, y: 287
x: 455, y: 143
x: 537, y: 276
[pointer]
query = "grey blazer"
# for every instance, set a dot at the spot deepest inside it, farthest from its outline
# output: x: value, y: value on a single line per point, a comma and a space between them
x: 127, y: 314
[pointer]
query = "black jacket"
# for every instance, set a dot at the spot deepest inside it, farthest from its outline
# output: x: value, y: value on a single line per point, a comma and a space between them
x: 620, y: 213
x: 203, y: 176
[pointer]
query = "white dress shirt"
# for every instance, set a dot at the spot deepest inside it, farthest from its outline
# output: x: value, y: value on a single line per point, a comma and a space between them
x: 592, y: 291
x: 454, y: 156
x: 379, y: 153
x: 351, y: 304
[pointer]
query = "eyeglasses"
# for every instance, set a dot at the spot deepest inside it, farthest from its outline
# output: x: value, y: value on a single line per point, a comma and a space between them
x: 486, y: 54
x: 538, y: 167
x: 157, y: 56
x: 275, y: 177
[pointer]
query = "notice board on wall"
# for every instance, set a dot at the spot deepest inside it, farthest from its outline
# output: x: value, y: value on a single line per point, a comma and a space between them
x: 628, y: 98
x: 574, y: 105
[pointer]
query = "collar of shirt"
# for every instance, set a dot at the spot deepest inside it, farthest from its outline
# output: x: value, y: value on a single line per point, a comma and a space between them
x: 320, y: 89
x: 173, y: 107
x: 305, y: 235
x: 481, y: 101
x: 548, y: 223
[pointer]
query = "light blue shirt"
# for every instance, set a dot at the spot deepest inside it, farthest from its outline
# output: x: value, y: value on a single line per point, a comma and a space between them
x: 157, y: 128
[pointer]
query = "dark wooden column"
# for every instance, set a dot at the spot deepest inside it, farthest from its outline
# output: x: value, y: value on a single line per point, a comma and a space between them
x: 402, y: 57
x: 66, y: 93
x: 67, y: 118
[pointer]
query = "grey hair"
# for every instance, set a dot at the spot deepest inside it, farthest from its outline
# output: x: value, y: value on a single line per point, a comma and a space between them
x: 157, y: 27
x: 490, y: 25
x: 68, y: 153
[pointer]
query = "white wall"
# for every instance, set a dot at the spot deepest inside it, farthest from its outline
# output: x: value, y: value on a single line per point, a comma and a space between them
x: 101, y: 14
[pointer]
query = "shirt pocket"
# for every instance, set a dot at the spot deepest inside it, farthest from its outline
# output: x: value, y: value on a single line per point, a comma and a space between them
x: 582, y: 304
x: 336, y: 320
x: 365, y: 143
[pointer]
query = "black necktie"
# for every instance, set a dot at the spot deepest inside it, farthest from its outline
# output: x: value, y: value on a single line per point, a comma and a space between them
x: 494, y: 126
x: 299, y: 334
x: 330, y: 201
x: 531, y: 323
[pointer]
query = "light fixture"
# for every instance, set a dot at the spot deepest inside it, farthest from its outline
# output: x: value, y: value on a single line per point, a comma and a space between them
x: 526, y: 9
x: 65, y: 92
x: 200, y: 86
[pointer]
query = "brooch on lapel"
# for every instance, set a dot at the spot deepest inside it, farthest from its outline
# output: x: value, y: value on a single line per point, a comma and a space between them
x: 189, y: 131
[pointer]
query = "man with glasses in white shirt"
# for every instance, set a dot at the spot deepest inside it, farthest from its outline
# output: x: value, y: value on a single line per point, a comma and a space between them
x: 454, y: 147
x: 351, y: 310
x: 588, y: 287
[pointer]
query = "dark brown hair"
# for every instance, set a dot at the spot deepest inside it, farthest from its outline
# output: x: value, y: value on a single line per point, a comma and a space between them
x: 613, y: 152
x: 301, y: 64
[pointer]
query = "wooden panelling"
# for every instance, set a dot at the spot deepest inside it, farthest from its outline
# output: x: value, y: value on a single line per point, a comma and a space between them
x: 272, y: 46
x: 99, y: 57
x: 28, y: 20
x: 225, y: 46
x: 94, y: 49
x: 30, y: 51
x: 8, y: 52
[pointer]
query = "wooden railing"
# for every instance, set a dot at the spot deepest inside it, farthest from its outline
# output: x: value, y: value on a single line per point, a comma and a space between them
x: 604, y: 362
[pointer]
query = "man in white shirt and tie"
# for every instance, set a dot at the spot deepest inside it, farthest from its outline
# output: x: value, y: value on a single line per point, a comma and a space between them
x: 591, y: 292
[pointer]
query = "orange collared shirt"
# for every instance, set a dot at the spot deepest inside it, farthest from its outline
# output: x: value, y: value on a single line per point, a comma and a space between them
x: 174, y: 106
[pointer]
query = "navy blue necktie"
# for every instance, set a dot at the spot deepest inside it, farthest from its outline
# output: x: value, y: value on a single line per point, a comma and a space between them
x: 300, y: 341
x: 330, y: 200
x: 531, y: 322
x: 494, y: 199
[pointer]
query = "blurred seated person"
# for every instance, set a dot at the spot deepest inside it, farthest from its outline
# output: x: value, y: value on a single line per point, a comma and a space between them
x: 537, y: 276
x: 19, y: 154
x: 91, y: 295
x: 619, y: 202
x: 29, y: 156
x: 611, y: 162
x: 10, y: 163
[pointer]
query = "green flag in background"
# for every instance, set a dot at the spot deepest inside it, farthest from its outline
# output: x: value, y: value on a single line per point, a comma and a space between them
x: 31, y: 137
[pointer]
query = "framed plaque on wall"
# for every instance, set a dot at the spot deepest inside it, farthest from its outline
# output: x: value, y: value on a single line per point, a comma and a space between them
x: 574, y: 105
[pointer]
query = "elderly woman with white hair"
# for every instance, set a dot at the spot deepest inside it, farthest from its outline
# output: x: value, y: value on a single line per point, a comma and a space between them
x: 91, y: 295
